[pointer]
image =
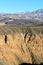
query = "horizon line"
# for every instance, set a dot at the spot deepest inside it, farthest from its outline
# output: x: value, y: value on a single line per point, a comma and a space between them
x: 18, y: 12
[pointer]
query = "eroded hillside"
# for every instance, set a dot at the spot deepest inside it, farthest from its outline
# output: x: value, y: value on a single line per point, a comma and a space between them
x: 25, y: 44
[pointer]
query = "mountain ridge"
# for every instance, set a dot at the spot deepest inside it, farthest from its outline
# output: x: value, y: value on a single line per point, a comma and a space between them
x: 32, y: 17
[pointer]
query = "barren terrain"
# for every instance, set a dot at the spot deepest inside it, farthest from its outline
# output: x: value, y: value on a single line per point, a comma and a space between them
x: 24, y: 44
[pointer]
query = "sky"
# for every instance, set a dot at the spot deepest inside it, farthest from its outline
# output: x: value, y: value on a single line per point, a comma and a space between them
x: 15, y: 6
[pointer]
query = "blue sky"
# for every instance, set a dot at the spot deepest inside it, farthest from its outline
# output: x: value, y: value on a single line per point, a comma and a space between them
x: 13, y: 6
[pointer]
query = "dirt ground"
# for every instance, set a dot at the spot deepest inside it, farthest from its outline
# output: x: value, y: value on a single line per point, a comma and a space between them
x: 18, y: 50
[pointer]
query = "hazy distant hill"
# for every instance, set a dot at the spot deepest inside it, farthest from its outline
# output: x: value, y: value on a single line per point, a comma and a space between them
x: 34, y: 17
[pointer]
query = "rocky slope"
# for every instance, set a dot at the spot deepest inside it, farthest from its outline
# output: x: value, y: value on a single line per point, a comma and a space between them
x: 22, y: 46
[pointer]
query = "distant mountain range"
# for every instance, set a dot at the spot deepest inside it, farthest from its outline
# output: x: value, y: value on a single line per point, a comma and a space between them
x: 34, y: 17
